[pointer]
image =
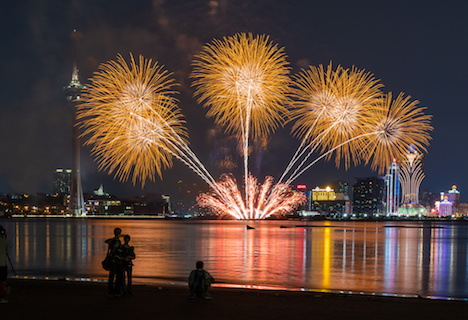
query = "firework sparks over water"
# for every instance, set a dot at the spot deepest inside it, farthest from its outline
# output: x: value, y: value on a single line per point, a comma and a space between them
x: 265, y: 200
x: 135, y: 127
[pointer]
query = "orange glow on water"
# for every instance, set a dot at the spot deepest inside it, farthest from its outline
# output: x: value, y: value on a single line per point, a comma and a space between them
x: 386, y: 257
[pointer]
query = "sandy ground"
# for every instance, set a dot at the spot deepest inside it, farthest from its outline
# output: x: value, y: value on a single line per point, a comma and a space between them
x: 65, y: 300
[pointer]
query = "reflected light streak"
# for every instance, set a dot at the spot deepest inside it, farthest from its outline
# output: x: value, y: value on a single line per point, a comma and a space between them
x: 327, y: 247
x: 431, y: 262
x: 47, y: 256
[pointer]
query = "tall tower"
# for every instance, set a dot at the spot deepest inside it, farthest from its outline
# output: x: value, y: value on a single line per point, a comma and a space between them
x: 73, y: 91
x: 392, y: 189
x: 411, y: 176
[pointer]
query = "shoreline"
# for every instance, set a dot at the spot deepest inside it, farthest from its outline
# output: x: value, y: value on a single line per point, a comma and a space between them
x: 41, y: 299
x: 182, y: 284
x: 19, y: 217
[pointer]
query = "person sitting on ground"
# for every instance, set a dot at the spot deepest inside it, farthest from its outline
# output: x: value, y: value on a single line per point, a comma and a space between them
x: 128, y: 253
x: 199, y: 282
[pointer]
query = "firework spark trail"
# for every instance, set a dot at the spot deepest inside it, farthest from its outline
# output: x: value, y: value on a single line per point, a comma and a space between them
x: 182, y: 151
x: 243, y: 79
x: 262, y: 203
x: 396, y: 124
x: 329, y: 107
x: 312, y: 146
x: 130, y: 108
x: 339, y: 99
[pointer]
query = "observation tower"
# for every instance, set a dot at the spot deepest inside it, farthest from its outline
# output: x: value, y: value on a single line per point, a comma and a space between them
x: 73, y: 91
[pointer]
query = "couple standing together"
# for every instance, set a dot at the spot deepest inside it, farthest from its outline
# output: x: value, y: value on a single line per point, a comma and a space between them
x: 120, y: 272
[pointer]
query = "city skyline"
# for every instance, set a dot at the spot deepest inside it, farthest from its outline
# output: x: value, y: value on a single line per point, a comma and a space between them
x: 38, y: 126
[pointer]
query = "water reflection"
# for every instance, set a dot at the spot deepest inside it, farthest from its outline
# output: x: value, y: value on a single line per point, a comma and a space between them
x: 401, y: 258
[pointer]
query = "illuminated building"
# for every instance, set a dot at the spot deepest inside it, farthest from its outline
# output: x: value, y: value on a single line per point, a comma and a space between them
x: 323, y: 194
x: 428, y: 199
x: 185, y: 199
x: 411, y: 176
x: 453, y: 195
x: 368, y: 196
x: 328, y: 202
x: 308, y: 206
x: 154, y: 204
x: 445, y: 208
x: 73, y: 91
x: 392, y: 189
x: 341, y: 190
x: 412, y: 210
x: 449, y: 202
x: 62, y: 181
x: 102, y: 203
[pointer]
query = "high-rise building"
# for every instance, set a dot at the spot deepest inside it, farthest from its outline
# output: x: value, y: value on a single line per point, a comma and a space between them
x: 341, y: 190
x: 428, y: 199
x: 308, y: 205
x: 392, y: 189
x: 368, y: 196
x: 62, y: 181
x: 411, y: 176
x: 73, y: 92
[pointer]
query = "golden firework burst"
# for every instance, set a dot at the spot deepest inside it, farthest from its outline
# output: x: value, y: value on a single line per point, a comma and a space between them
x: 394, y: 126
x: 329, y: 107
x: 243, y: 77
x: 131, y: 118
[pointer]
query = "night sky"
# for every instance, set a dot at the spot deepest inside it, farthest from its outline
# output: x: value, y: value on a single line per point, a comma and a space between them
x: 416, y: 47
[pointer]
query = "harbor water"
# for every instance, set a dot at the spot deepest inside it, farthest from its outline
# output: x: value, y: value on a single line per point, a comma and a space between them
x: 411, y: 258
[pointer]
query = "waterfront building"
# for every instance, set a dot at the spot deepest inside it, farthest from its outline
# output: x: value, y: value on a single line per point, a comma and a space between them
x: 411, y: 176
x: 73, y: 92
x: 341, y: 190
x: 452, y: 195
x: 323, y: 194
x: 428, y: 199
x: 153, y: 204
x: 445, y: 208
x: 99, y: 202
x: 392, y: 189
x: 62, y: 181
x: 412, y: 210
x: 185, y: 200
x: 328, y: 202
x: 307, y: 207
x: 368, y: 196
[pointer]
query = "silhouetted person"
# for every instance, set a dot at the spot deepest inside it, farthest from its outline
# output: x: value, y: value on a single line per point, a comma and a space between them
x: 114, y: 283
x: 4, y: 247
x: 200, y: 282
x: 128, y: 253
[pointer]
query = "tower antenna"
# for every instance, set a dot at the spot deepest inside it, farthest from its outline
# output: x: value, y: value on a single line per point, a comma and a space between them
x: 73, y: 92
